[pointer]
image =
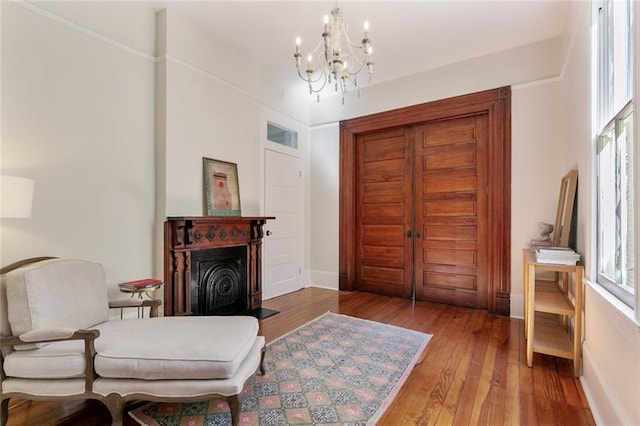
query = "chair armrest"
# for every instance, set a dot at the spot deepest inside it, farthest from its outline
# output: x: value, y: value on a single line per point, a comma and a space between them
x: 47, y: 335
x: 57, y: 335
x: 50, y: 335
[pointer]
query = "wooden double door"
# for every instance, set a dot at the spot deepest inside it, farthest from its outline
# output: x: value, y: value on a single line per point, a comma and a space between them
x: 423, y: 210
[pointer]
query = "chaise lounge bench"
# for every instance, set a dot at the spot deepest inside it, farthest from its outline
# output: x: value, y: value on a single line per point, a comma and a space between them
x: 59, y: 343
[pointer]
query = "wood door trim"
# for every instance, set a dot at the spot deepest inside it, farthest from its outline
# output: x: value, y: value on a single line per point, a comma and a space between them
x: 497, y: 104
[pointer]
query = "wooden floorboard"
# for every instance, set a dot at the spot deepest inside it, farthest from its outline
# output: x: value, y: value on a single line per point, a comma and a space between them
x: 473, y: 371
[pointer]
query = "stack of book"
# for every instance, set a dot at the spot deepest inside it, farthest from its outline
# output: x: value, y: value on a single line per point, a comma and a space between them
x: 146, y: 284
x: 557, y: 255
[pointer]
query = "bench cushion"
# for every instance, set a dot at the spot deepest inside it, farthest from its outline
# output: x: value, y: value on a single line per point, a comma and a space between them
x: 211, y: 347
x: 59, y: 360
x: 56, y: 293
x: 186, y: 389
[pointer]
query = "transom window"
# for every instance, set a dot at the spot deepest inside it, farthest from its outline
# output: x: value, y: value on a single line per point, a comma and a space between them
x: 282, y: 136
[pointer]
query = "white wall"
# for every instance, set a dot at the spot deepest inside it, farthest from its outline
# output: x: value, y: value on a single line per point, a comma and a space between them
x: 533, y: 71
x: 611, y: 349
x: 324, y: 205
x: 536, y: 165
x: 210, y: 112
x: 77, y: 117
x: 529, y: 63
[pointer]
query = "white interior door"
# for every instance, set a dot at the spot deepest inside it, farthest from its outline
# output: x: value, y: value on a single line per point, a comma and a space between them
x: 283, y: 198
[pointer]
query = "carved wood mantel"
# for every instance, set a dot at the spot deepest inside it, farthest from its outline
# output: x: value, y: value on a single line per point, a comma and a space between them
x: 183, y: 235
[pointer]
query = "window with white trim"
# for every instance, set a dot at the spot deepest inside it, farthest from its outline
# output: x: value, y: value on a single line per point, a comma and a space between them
x: 282, y: 136
x: 612, y: 51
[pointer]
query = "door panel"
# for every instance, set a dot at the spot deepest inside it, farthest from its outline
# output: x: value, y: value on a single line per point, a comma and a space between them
x: 451, y: 211
x: 282, y: 261
x: 384, y: 213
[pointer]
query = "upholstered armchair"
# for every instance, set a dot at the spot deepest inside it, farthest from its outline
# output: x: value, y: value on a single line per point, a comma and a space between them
x: 59, y: 343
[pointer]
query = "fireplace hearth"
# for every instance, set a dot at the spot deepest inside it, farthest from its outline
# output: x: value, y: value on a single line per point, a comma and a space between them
x: 213, y: 265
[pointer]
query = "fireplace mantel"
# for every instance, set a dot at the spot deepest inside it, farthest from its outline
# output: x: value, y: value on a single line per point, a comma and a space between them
x: 185, y: 234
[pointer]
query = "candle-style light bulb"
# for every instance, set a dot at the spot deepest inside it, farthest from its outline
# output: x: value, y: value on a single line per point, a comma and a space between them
x: 309, y: 60
x: 366, y: 29
x: 298, y: 42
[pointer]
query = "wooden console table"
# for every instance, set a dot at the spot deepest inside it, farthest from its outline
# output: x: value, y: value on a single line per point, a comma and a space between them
x: 548, y: 310
x: 184, y: 235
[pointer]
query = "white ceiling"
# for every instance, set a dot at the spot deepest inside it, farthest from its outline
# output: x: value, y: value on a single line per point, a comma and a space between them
x: 407, y: 36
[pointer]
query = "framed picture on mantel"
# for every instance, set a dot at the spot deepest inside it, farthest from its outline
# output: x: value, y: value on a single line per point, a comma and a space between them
x: 221, y: 188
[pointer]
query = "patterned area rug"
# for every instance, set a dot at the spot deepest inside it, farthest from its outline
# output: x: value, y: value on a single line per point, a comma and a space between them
x: 335, y: 370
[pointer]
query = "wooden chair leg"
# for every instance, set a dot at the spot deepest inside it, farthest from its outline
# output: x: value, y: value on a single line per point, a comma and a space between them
x: 235, y: 403
x: 115, y: 405
x: 264, y: 352
x: 4, y: 411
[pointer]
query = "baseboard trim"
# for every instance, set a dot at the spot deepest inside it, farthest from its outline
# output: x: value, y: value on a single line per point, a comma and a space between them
x: 598, y: 393
x: 323, y: 279
x: 517, y: 306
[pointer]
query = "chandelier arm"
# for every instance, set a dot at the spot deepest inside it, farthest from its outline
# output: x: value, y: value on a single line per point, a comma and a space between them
x: 321, y: 76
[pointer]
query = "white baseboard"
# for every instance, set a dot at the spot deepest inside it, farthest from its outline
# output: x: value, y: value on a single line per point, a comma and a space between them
x: 517, y: 306
x: 602, y: 402
x: 322, y: 279
x: 306, y: 278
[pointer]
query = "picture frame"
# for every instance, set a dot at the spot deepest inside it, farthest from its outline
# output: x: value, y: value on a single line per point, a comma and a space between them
x: 221, y: 188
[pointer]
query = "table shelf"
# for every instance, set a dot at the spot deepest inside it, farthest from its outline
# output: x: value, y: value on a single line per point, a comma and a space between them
x: 550, y: 298
x: 551, y: 336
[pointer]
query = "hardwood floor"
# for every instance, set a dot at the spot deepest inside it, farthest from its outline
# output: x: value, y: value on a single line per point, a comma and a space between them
x: 473, y: 372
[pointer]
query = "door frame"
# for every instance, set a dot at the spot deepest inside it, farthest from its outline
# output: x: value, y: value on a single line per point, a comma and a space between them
x: 496, y: 103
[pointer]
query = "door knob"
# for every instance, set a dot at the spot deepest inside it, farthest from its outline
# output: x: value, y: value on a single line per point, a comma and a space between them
x: 268, y: 233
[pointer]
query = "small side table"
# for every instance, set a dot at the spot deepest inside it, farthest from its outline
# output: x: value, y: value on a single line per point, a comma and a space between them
x: 141, y: 288
x: 548, y: 310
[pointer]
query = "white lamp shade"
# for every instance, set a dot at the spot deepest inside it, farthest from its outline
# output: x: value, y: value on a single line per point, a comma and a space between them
x: 16, y: 196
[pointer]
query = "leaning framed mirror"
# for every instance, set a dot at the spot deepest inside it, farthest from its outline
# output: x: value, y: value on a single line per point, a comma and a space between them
x: 562, y: 231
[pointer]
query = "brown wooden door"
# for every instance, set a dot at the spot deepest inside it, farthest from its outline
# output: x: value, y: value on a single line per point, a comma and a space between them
x: 450, y: 249
x: 383, y: 204
x: 421, y: 212
x: 458, y: 176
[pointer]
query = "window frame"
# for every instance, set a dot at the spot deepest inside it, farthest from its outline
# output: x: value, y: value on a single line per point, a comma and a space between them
x: 617, y: 289
x: 605, y: 118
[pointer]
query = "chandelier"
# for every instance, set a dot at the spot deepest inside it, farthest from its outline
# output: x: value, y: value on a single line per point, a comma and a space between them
x: 336, y: 60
